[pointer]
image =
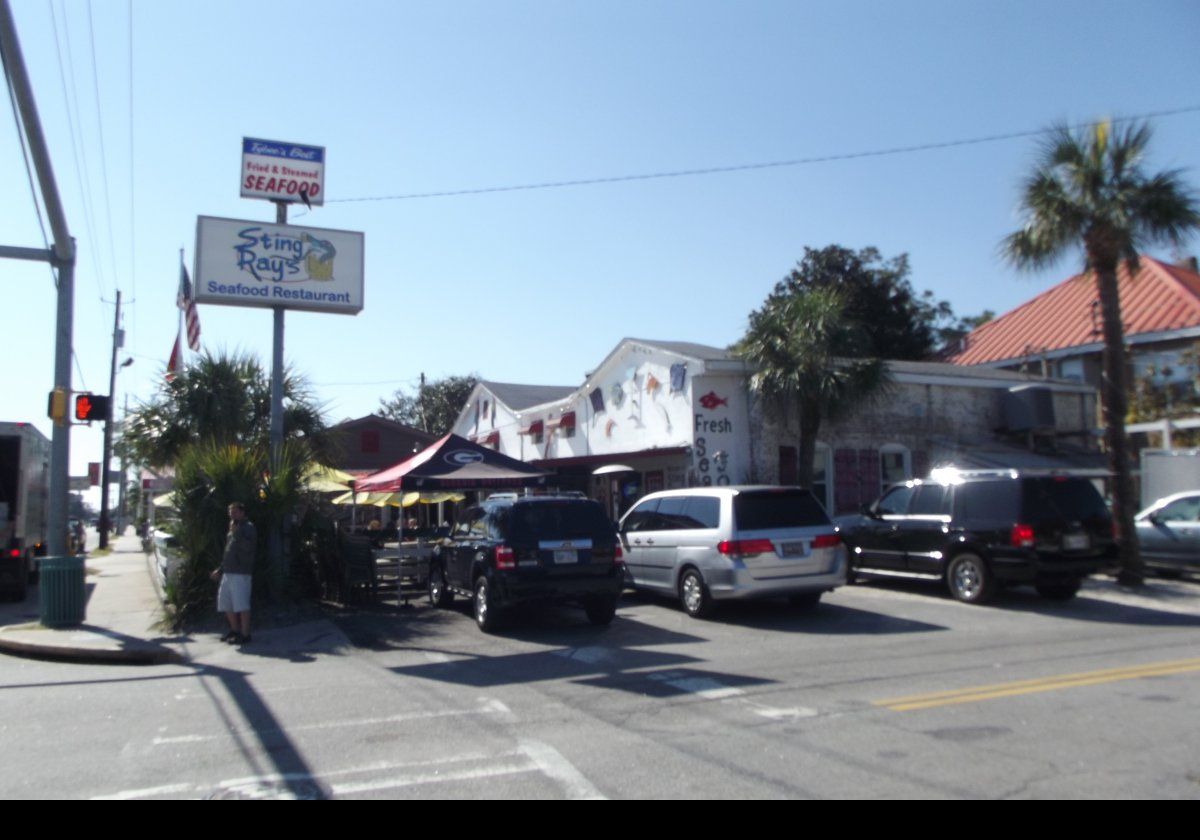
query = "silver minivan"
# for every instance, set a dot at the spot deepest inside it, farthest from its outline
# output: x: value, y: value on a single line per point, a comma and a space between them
x: 708, y: 544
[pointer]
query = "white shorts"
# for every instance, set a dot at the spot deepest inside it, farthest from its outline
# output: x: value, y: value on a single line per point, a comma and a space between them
x: 234, y: 594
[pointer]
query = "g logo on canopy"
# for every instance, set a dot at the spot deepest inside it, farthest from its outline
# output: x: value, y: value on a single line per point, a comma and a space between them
x: 462, y: 457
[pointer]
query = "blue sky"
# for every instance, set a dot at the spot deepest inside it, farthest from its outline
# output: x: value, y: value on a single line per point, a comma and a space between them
x: 538, y: 285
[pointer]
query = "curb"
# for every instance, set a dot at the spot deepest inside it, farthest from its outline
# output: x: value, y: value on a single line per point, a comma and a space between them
x: 105, y: 656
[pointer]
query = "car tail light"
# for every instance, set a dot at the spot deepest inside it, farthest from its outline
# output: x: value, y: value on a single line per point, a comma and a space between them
x: 745, y: 547
x: 1021, y: 536
x: 16, y: 552
x: 617, y: 554
x: 826, y: 541
x: 505, y: 559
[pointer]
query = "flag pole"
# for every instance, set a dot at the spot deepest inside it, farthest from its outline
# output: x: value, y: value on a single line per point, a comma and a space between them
x: 179, y: 327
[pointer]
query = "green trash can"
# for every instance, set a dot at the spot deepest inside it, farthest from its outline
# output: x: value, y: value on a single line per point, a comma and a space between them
x: 61, y: 593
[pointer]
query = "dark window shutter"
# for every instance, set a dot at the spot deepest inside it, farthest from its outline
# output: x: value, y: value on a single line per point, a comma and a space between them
x: 789, y: 472
x: 370, y: 441
x: 920, y: 463
x: 869, y: 475
x: 845, y: 481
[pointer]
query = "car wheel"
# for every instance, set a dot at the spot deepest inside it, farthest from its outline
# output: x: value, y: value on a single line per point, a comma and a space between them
x: 601, y: 611
x: 694, y: 595
x: 806, y: 600
x: 969, y: 579
x: 1059, y: 591
x: 485, y: 610
x: 439, y: 591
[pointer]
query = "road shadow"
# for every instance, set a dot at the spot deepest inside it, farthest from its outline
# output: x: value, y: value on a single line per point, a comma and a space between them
x: 279, y: 768
x: 777, y: 615
x: 1159, y: 603
x: 1148, y: 606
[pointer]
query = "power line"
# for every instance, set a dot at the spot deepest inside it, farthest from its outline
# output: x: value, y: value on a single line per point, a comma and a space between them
x: 748, y: 167
x: 132, y: 216
x: 37, y: 207
x: 81, y: 172
x: 112, y: 245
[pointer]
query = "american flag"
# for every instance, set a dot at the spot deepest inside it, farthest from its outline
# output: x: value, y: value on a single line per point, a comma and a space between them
x: 190, y: 315
x: 173, y: 362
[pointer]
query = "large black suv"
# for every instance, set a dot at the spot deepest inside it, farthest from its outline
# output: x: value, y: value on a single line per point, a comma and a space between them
x: 978, y: 529
x: 520, y: 550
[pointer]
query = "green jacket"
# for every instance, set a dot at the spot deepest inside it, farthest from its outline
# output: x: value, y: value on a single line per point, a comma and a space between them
x: 240, y: 547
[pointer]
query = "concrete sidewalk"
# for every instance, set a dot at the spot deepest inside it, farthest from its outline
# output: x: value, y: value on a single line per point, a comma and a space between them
x: 121, y: 622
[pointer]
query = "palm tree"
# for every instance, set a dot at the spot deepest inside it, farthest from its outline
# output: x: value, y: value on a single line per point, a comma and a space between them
x: 807, y: 359
x: 224, y: 399
x: 1089, y: 189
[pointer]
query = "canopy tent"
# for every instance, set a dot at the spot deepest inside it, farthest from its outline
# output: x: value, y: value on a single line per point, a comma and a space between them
x: 321, y: 479
x: 453, y: 463
x: 368, y: 499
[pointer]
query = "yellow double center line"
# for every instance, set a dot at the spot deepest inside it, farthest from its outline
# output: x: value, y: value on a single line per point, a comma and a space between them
x: 1012, y: 689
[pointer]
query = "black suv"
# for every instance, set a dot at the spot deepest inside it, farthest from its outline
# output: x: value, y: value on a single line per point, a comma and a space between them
x: 510, y: 551
x: 978, y: 529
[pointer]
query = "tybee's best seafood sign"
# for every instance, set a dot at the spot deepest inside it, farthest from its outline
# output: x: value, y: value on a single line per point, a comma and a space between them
x: 245, y: 263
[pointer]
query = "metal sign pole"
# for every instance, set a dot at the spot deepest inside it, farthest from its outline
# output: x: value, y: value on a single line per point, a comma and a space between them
x: 275, y: 543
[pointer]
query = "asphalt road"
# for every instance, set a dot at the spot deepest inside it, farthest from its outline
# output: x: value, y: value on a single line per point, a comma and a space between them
x: 882, y: 691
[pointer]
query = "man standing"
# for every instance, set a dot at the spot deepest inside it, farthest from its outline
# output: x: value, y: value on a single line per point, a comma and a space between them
x: 237, y: 567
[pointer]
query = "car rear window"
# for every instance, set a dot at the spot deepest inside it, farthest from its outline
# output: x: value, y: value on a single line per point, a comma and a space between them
x: 1063, y: 498
x: 772, y: 509
x: 558, y: 521
x: 988, y: 501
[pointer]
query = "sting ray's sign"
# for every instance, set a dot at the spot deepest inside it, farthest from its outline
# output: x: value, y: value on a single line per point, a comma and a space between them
x: 244, y: 263
x: 283, y: 171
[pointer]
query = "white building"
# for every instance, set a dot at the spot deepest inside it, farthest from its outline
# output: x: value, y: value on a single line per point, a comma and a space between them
x: 678, y: 414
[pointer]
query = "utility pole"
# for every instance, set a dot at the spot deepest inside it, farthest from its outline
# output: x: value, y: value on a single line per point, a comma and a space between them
x: 421, y: 403
x: 62, y: 257
x: 121, y: 517
x: 105, y: 524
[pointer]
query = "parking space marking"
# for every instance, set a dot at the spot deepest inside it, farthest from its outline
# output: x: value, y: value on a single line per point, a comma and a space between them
x: 705, y: 687
x: 792, y: 714
x: 553, y: 764
x: 146, y: 793
x: 487, y: 706
x: 1012, y: 689
x: 529, y: 757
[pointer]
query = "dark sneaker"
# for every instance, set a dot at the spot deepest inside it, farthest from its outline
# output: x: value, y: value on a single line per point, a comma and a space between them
x: 242, y: 640
x: 229, y: 636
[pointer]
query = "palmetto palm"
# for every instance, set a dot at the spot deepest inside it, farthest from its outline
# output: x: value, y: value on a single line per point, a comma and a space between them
x: 223, y: 399
x: 1090, y: 190
x: 803, y: 349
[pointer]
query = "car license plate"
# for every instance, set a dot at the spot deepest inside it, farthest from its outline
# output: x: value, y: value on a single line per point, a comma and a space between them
x: 1076, y: 542
x: 792, y: 549
x: 565, y: 555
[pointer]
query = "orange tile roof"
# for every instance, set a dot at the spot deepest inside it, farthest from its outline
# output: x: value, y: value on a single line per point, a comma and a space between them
x: 1159, y: 297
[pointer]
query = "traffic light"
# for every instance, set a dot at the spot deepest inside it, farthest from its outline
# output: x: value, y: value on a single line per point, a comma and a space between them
x: 56, y: 408
x: 91, y: 407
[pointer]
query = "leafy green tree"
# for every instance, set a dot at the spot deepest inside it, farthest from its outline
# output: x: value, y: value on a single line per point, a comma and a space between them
x: 904, y: 324
x: 434, y: 407
x: 810, y: 362
x: 208, y: 478
x: 950, y: 334
x: 1169, y: 390
x: 222, y: 399
x: 1090, y: 190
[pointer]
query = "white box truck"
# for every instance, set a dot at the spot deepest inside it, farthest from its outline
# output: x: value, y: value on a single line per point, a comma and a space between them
x: 1167, y: 471
x: 24, y: 498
